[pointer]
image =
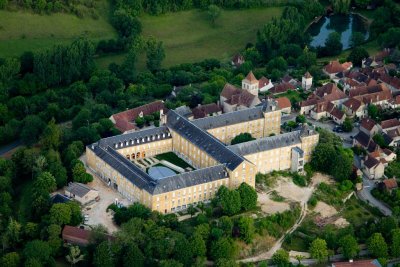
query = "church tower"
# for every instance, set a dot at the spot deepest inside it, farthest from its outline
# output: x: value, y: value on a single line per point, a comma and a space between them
x: 250, y: 83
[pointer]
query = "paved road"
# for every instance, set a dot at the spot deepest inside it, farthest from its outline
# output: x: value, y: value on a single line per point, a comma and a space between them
x: 5, y: 149
x: 329, y: 125
x: 366, y: 196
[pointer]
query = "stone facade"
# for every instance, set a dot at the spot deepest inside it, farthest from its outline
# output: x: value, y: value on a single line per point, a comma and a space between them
x: 203, y: 144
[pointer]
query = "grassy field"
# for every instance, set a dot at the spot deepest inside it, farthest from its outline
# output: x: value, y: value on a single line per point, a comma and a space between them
x: 188, y: 36
x: 24, y: 31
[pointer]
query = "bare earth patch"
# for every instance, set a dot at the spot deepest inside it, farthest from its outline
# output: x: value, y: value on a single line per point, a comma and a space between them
x: 269, y: 206
x: 341, y: 222
x: 289, y: 190
x: 325, y: 210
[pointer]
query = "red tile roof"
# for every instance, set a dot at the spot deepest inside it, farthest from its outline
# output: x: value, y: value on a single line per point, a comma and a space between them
x: 229, y: 90
x: 75, y: 235
x: 390, y: 183
x: 244, y: 98
x: 362, y: 263
x: 124, y: 121
x: 251, y: 78
x: 368, y: 124
x: 262, y: 82
x: 204, y: 110
x: 353, y: 104
x: 282, y: 88
x: 335, y: 112
x: 390, y: 123
x: 334, y: 67
x: 330, y: 92
x: 283, y: 102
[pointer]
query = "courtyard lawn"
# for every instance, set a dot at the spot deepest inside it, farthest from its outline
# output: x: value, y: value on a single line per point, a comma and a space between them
x: 294, y: 96
x: 22, y: 31
x: 174, y: 159
x: 189, y: 37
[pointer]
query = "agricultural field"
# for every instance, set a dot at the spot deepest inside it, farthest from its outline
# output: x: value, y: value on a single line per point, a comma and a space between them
x: 22, y: 31
x: 188, y: 36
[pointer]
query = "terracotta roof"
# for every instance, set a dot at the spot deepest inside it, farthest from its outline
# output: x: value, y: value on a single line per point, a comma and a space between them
x: 283, y: 102
x: 368, y: 124
x: 263, y: 82
x: 229, y: 90
x: 251, y: 78
x: 390, y: 123
x: 307, y: 75
x: 372, y: 82
x: 282, y: 88
x: 244, y: 98
x: 75, y: 235
x: 335, y: 112
x: 308, y: 102
x: 330, y: 92
x: 347, y: 65
x: 353, y: 104
x: 124, y: 121
x: 204, y: 110
x: 390, y: 183
x: 362, y: 263
x: 334, y: 67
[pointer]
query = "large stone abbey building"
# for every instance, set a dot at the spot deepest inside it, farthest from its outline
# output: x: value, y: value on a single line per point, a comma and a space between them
x: 203, y: 143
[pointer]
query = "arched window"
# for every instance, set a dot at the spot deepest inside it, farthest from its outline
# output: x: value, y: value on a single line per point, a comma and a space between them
x: 143, y: 154
x: 138, y: 155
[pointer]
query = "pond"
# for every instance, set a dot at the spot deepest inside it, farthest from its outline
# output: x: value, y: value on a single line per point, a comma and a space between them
x: 159, y: 172
x: 345, y: 25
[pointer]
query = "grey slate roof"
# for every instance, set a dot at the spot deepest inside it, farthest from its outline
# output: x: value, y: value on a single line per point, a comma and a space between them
x: 126, y: 168
x: 78, y: 189
x: 135, y: 138
x: 267, y: 143
x: 203, y: 140
x: 230, y: 118
x: 188, y: 179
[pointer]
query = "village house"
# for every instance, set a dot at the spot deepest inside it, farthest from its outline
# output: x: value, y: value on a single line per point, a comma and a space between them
x: 388, y: 185
x: 360, y: 263
x: 377, y: 60
x: 392, y: 137
x: 326, y: 101
x: 264, y: 84
x: 284, y: 104
x: 354, y: 108
x: 365, y: 141
x: 233, y: 99
x: 202, y: 111
x: 394, y: 103
x: 125, y: 121
x: 390, y: 124
x: 282, y: 87
x: 373, y: 168
x: 369, y: 127
x: 237, y: 60
x: 81, y: 193
x: 334, y: 67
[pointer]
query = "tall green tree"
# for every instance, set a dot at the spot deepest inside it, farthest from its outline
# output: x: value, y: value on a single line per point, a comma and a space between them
x: 395, y: 245
x: 74, y: 255
x: 133, y: 256
x: 103, y: 256
x: 213, y: 12
x: 248, y: 196
x: 155, y: 54
x: 333, y: 44
x: 349, y: 246
x: 246, y: 228
x: 357, y: 55
x: 377, y: 246
x: 51, y: 136
x: 319, y: 250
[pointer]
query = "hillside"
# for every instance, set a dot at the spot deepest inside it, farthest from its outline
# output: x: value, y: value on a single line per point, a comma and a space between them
x: 23, y: 31
x: 189, y: 37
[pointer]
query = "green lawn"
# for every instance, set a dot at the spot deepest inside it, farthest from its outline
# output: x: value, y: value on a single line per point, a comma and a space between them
x: 294, y: 96
x: 174, y: 159
x: 189, y: 37
x: 22, y: 31
x: 357, y: 212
